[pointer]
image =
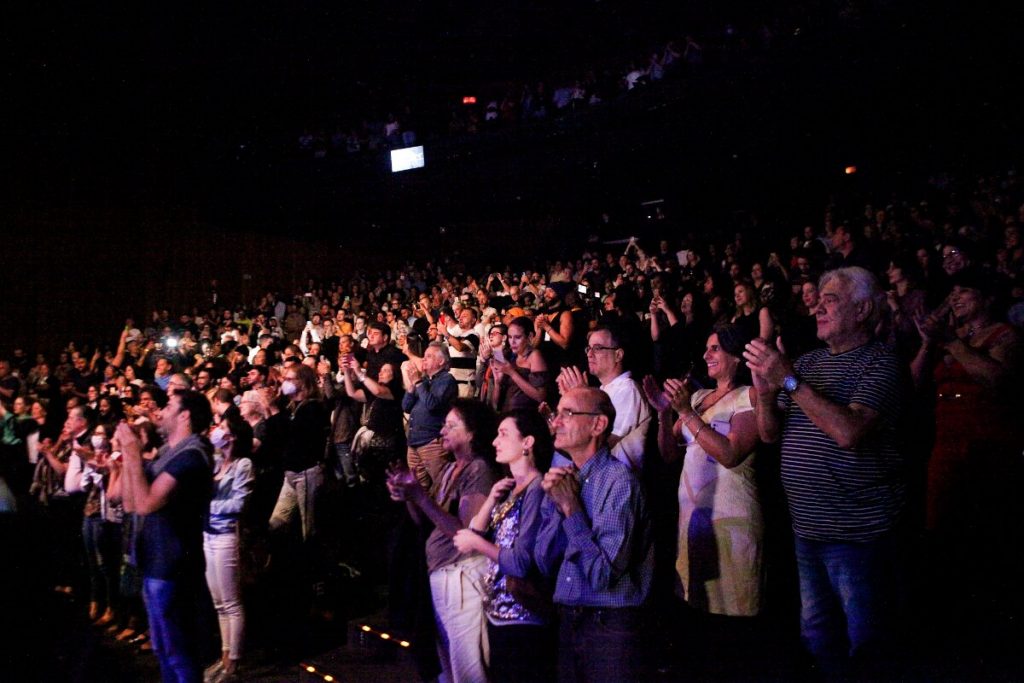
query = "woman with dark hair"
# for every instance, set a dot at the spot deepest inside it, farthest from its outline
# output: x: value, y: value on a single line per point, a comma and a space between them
x: 91, y: 474
x: 232, y: 485
x: 555, y: 325
x: 906, y: 300
x: 525, y: 376
x: 504, y: 531
x: 380, y: 440
x: 720, y: 521
x: 975, y: 361
x: 456, y: 580
x: 109, y: 411
x: 755, y: 319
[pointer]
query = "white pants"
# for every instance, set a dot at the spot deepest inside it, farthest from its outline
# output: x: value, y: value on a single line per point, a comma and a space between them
x: 224, y: 578
x: 458, y: 590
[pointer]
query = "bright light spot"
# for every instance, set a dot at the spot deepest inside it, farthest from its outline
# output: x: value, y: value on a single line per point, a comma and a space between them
x: 404, y: 643
x: 366, y: 628
x: 469, y: 99
x: 328, y: 678
x: 310, y: 669
x: 385, y: 636
x: 850, y: 170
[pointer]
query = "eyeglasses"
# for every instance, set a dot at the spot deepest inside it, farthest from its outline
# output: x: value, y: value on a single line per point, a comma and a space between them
x: 566, y: 413
x: 597, y: 348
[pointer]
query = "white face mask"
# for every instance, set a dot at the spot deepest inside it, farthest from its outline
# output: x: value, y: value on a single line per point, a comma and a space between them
x: 98, y: 442
x: 219, y: 438
x: 288, y: 387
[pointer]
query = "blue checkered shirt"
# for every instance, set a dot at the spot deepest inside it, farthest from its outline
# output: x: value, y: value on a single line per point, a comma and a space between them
x: 602, y: 555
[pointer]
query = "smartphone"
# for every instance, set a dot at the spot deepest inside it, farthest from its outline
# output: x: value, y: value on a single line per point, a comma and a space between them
x: 582, y: 289
x: 499, y: 355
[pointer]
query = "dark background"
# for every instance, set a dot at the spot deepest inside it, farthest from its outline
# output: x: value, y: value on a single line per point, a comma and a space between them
x: 148, y: 150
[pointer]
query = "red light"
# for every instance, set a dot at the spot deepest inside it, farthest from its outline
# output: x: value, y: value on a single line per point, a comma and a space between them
x: 850, y: 170
x: 469, y: 99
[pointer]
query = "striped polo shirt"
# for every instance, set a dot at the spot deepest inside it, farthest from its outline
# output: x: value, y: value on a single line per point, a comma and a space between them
x: 839, y: 494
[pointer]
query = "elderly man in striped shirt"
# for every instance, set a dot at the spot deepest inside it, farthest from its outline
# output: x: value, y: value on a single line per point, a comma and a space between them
x: 836, y: 412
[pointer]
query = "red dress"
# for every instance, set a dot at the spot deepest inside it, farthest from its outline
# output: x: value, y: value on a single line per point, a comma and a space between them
x: 978, y: 429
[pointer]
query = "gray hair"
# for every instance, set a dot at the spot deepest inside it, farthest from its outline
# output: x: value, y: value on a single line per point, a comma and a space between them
x: 862, y: 286
x: 446, y: 357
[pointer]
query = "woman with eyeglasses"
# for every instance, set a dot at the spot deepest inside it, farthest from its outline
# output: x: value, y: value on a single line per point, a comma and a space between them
x: 457, y: 581
x: 233, y: 482
x: 721, y: 528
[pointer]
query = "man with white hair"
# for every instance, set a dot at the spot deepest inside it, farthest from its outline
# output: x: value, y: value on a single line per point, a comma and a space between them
x: 428, y: 396
x: 836, y: 412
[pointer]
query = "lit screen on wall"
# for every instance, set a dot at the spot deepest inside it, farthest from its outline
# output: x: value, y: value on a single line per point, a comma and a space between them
x: 406, y: 158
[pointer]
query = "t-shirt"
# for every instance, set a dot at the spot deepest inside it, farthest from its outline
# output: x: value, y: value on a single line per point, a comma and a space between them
x: 841, y: 494
x: 476, y: 477
x: 171, y: 540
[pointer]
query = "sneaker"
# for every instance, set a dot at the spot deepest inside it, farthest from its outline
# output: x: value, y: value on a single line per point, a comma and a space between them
x: 212, y: 673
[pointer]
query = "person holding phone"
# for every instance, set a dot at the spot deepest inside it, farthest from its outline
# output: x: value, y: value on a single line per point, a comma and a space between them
x: 496, y: 347
x: 524, y: 375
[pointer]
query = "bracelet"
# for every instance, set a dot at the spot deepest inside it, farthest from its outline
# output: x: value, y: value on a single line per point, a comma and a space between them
x: 482, y: 534
x: 701, y: 429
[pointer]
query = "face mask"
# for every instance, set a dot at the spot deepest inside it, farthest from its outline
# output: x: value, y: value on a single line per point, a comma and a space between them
x: 288, y: 388
x: 219, y: 438
x: 97, y: 442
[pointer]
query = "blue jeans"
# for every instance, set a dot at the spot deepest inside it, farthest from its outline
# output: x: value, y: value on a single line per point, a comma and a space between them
x: 345, y: 467
x: 174, y: 627
x: 847, y: 599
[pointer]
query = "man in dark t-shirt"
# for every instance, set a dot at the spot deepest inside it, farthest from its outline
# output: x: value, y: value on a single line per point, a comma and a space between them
x: 173, y: 493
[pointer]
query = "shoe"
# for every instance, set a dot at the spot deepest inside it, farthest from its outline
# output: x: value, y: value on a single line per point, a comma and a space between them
x: 146, y: 647
x: 125, y: 634
x: 213, y: 672
x: 227, y: 677
x: 140, y: 638
x: 105, y: 618
x: 112, y: 629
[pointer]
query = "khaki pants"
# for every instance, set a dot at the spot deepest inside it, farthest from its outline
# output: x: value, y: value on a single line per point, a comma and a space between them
x: 427, y: 461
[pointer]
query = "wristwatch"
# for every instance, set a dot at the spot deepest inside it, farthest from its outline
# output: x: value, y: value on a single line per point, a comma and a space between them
x: 790, y: 384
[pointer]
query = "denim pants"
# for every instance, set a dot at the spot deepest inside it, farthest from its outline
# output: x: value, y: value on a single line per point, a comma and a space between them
x: 848, y: 598
x: 174, y: 626
x: 345, y: 467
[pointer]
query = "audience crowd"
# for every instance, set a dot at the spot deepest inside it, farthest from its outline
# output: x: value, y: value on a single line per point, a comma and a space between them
x: 854, y: 382
x: 489, y: 107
